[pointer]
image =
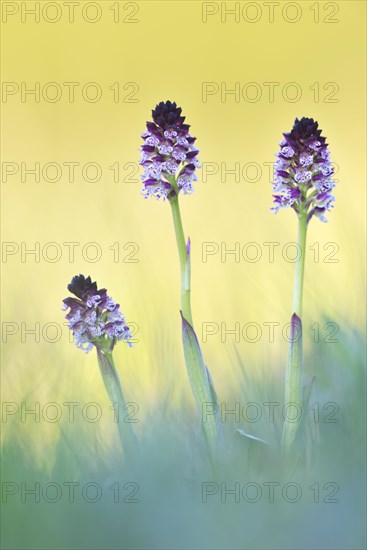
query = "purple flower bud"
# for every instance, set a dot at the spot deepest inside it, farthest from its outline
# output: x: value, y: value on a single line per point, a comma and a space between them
x: 94, y: 317
x: 169, y: 157
x: 303, y: 165
x: 188, y: 247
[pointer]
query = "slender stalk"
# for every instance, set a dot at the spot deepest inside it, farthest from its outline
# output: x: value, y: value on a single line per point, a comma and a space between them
x: 200, y: 380
x: 184, y: 256
x: 300, y: 266
x: 293, y: 380
x: 293, y: 388
x: 113, y: 386
x: 293, y: 385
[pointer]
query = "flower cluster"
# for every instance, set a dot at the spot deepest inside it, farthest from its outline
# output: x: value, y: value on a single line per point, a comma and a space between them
x: 94, y: 318
x: 303, y: 171
x: 168, y: 155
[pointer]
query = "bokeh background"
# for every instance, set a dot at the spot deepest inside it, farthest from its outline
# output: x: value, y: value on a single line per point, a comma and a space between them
x: 150, y: 51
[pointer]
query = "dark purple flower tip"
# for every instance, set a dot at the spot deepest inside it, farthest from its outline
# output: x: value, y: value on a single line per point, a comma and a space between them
x: 296, y: 328
x: 168, y: 115
x: 82, y: 287
x: 304, y: 129
x: 188, y: 247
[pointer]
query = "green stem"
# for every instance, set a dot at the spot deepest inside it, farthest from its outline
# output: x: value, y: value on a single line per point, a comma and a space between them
x: 293, y: 380
x: 199, y: 376
x: 184, y: 256
x: 201, y: 385
x: 113, y: 386
x: 300, y: 266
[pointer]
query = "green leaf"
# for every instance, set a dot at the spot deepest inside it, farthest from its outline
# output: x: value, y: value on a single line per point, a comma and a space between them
x: 309, y: 430
x: 112, y: 384
x: 201, y: 384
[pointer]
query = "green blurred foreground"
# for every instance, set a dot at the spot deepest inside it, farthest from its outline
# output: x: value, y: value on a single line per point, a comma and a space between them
x: 73, y: 489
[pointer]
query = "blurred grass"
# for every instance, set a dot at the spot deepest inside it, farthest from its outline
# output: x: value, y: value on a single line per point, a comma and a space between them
x: 172, y: 466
